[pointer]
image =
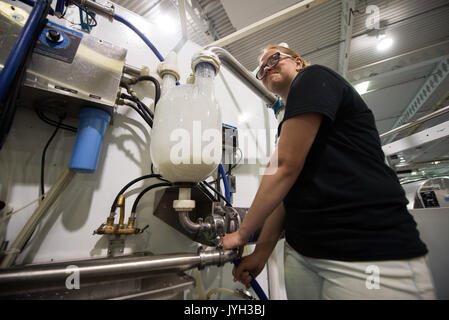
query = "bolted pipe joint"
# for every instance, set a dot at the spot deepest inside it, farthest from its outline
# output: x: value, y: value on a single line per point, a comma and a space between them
x: 216, y: 257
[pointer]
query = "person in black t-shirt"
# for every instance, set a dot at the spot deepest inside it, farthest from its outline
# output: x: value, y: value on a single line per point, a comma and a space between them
x: 347, y: 229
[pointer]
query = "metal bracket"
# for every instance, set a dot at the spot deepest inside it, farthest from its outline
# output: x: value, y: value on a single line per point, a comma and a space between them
x: 116, y: 246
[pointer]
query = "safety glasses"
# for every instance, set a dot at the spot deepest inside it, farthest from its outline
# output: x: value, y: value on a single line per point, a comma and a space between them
x: 271, y: 62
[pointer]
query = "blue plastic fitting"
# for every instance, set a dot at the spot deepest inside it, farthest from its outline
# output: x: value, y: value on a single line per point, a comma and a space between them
x: 89, y: 139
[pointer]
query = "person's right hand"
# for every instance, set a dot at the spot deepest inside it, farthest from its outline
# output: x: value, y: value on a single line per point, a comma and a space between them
x: 252, y: 264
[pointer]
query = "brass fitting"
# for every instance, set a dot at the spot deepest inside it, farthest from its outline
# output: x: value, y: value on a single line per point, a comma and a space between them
x: 121, y: 205
x: 120, y: 228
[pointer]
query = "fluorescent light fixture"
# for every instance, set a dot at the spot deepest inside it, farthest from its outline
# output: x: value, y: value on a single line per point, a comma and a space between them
x: 385, y: 44
x: 362, y: 88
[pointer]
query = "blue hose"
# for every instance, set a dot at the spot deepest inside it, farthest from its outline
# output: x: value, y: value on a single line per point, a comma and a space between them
x: 254, y: 284
x: 140, y: 34
x: 20, y: 48
x: 225, y: 182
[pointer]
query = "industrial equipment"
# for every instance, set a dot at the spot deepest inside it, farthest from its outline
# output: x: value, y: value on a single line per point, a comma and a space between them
x: 428, y: 193
x: 75, y: 76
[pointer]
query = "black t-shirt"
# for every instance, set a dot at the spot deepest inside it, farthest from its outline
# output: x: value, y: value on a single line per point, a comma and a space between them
x: 346, y: 204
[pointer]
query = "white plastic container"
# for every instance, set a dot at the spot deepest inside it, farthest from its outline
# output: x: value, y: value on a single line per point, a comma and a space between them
x: 186, y: 137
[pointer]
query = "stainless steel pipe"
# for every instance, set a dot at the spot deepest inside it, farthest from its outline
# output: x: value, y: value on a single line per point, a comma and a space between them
x: 191, y: 226
x: 132, y: 71
x: 96, y: 269
x: 243, y: 74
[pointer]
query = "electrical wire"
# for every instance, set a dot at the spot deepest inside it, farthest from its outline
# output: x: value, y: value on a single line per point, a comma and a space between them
x: 205, y: 192
x: 54, y: 123
x: 43, y: 158
x: 88, y: 13
x: 10, y: 214
x: 218, y: 193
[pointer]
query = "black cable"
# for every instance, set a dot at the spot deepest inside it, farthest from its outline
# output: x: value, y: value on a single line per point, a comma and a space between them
x: 157, y: 185
x: 141, y: 105
x: 206, y: 192
x: 54, y: 123
x: 156, y: 83
x: 159, y: 178
x: 43, y: 158
x: 129, y: 184
x: 144, y: 116
x: 144, y: 107
x: 218, y: 193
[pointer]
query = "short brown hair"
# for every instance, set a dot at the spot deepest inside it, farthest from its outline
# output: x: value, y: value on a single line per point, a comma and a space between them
x: 283, y: 49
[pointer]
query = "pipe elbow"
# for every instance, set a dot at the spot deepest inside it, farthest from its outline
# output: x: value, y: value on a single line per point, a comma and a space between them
x: 191, y: 226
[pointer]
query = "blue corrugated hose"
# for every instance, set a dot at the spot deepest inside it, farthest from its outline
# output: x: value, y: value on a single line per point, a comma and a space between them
x: 20, y: 48
x: 254, y: 284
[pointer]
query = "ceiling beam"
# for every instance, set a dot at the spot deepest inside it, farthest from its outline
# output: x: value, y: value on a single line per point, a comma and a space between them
x: 412, y: 57
x: 435, y: 79
x: 418, y: 139
x: 401, y: 70
x: 268, y: 21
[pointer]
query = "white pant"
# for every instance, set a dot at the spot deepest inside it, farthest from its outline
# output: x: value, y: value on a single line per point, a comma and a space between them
x: 314, y: 279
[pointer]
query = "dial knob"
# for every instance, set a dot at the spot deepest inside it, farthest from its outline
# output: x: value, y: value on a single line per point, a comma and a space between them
x: 54, y: 36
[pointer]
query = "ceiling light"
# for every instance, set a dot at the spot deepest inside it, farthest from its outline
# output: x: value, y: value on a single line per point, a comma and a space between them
x: 362, y: 88
x: 166, y: 23
x: 243, y: 118
x: 385, y: 44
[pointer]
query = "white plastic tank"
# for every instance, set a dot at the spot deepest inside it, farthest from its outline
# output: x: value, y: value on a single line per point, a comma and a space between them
x: 186, y: 137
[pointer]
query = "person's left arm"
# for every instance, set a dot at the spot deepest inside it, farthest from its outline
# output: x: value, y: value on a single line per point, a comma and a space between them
x: 295, y: 141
